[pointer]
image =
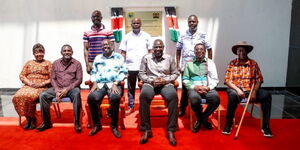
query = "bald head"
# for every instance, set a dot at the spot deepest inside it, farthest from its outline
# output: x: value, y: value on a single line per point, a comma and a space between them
x: 136, y: 24
x: 158, y: 47
x: 193, y: 23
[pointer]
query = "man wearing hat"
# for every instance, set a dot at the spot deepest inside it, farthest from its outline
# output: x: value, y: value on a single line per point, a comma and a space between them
x: 241, y: 74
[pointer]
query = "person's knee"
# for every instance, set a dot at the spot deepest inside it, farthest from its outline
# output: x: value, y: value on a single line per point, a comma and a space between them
x: 91, y: 98
x: 115, y: 98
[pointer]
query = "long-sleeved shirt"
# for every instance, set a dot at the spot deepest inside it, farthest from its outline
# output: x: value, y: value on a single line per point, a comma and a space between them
x: 107, y: 70
x: 152, y: 68
x: 202, y: 73
x: 66, y: 76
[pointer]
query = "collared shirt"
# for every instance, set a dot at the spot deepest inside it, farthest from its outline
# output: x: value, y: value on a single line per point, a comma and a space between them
x: 107, y: 70
x: 186, y: 44
x: 202, y: 73
x: 152, y: 68
x: 136, y: 46
x: 66, y: 76
x: 243, y: 75
x: 95, y: 38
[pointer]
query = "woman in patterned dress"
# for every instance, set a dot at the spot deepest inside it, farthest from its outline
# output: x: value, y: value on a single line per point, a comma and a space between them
x: 36, y: 78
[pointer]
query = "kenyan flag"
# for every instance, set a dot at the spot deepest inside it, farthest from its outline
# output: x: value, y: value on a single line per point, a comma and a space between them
x: 117, y: 23
x: 172, y: 23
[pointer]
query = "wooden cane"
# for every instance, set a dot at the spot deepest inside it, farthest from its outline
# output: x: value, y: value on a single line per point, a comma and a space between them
x: 244, y: 112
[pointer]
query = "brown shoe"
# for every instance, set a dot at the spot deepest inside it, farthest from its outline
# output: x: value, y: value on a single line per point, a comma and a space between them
x: 147, y: 134
x: 171, y: 138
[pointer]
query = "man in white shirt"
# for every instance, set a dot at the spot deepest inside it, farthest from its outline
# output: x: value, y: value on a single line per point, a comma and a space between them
x: 133, y: 47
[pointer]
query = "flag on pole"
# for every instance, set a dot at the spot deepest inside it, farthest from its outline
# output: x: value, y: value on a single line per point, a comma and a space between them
x: 172, y: 23
x: 117, y: 23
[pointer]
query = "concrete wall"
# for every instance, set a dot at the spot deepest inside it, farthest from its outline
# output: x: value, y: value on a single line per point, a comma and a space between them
x: 265, y: 24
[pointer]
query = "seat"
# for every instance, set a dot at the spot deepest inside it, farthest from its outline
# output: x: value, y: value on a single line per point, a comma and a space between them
x: 158, y: 101
x: 105, y: 105
x: 56, y: 107
x: 204, y: 102
x: 243, y: 102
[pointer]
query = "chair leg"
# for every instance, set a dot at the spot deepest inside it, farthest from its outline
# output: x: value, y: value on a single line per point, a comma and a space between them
x: 89, y: 124
x: 55, y: 109
x: 58, y: 110
x: 20, y: 120
x: 191, y: 117
x: 251, y: 112
x: 219, y: 118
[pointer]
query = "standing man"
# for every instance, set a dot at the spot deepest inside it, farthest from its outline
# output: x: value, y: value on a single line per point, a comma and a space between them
x: 108, y: 70
x: 66, y: 78
x: 185, y: 51
x: 92, y: 39
x: 133, y: 47
x: 158, y: 71
x: 201, y: 77
x: 241, y: 74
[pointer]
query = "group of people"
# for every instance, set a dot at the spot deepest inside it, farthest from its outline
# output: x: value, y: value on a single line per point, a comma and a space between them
x: 157, y: 70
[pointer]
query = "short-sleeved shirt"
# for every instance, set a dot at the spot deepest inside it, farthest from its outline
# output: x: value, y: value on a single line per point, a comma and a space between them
x: 186, y: 44
x: 107, y: 70
x: 95, y: 38
x: 243, y: 75
x: 66, y: 76
x: 136, y: 46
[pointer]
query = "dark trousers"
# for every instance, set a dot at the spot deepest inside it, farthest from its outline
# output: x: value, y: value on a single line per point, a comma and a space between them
x: 212, y: 100
x: 95, y: 99
x: 131, y: 83
x: 168, y: 92
x: 47, y: 96
x: 184, y: 96
x: 262, y: 97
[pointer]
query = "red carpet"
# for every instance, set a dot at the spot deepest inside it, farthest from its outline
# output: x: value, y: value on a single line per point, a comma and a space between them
x: 62, y: 136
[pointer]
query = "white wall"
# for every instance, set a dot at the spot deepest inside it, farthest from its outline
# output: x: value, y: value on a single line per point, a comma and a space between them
x: 263, y: 23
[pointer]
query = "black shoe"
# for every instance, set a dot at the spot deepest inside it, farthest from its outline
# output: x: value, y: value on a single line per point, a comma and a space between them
x: 267, y: 132
x: 44, y: 127
x: 196, y: 127
x: 95, y: 130
x: 147, y: 134
x: 207, y: 125
x: 171, y: 137
x: 116, y: 132
x: 27, y: 125
x: 181, y: 112
x: 77, y: 127
x: 227, y: 129
x: 33, y: 123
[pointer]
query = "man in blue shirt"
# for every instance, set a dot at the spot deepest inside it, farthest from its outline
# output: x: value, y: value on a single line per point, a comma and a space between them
x: 108, y: 70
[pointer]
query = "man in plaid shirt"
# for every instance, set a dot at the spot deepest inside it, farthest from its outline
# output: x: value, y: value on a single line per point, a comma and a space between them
x: 241, y: 73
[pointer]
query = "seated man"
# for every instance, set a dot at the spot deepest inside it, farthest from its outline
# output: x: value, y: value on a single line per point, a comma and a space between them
x: 66, y: 78
x: 108, y: 70
x: 241, y: 74
x: 157, y: 71
x: 200, y: 77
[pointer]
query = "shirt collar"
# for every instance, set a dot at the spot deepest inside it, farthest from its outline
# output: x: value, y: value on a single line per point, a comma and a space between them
x: 162, y: 57
x: 203, y: 60
x: 189, y: 33
x: 111, y: 56
x: 71, y: 61
x: 237, y: 62
x: 93, y: 28
x: 136, y: 34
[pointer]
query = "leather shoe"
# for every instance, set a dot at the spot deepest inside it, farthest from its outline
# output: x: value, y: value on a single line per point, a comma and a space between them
x: 95, y: 130
x: 147, y: 134
x: 181, y: 113
x: 116, y: 132
x: 27, y: 125
x: 196, y: 127
x: 207, y: 125
x: 129, y: 111
x: 171, y: 138
x: 77, y: 127
x: 44, y: 127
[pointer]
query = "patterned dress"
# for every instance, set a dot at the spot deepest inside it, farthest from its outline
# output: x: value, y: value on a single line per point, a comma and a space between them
x: 25, y: 98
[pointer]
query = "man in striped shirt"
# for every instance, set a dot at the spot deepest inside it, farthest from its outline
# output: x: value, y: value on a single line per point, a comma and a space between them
x: 93, y: 40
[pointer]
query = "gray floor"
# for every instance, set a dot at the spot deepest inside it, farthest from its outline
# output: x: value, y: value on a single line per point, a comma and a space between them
x: 284, y: 106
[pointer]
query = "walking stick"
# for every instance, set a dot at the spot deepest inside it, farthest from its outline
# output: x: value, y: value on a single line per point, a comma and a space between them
x: 244, y: 112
